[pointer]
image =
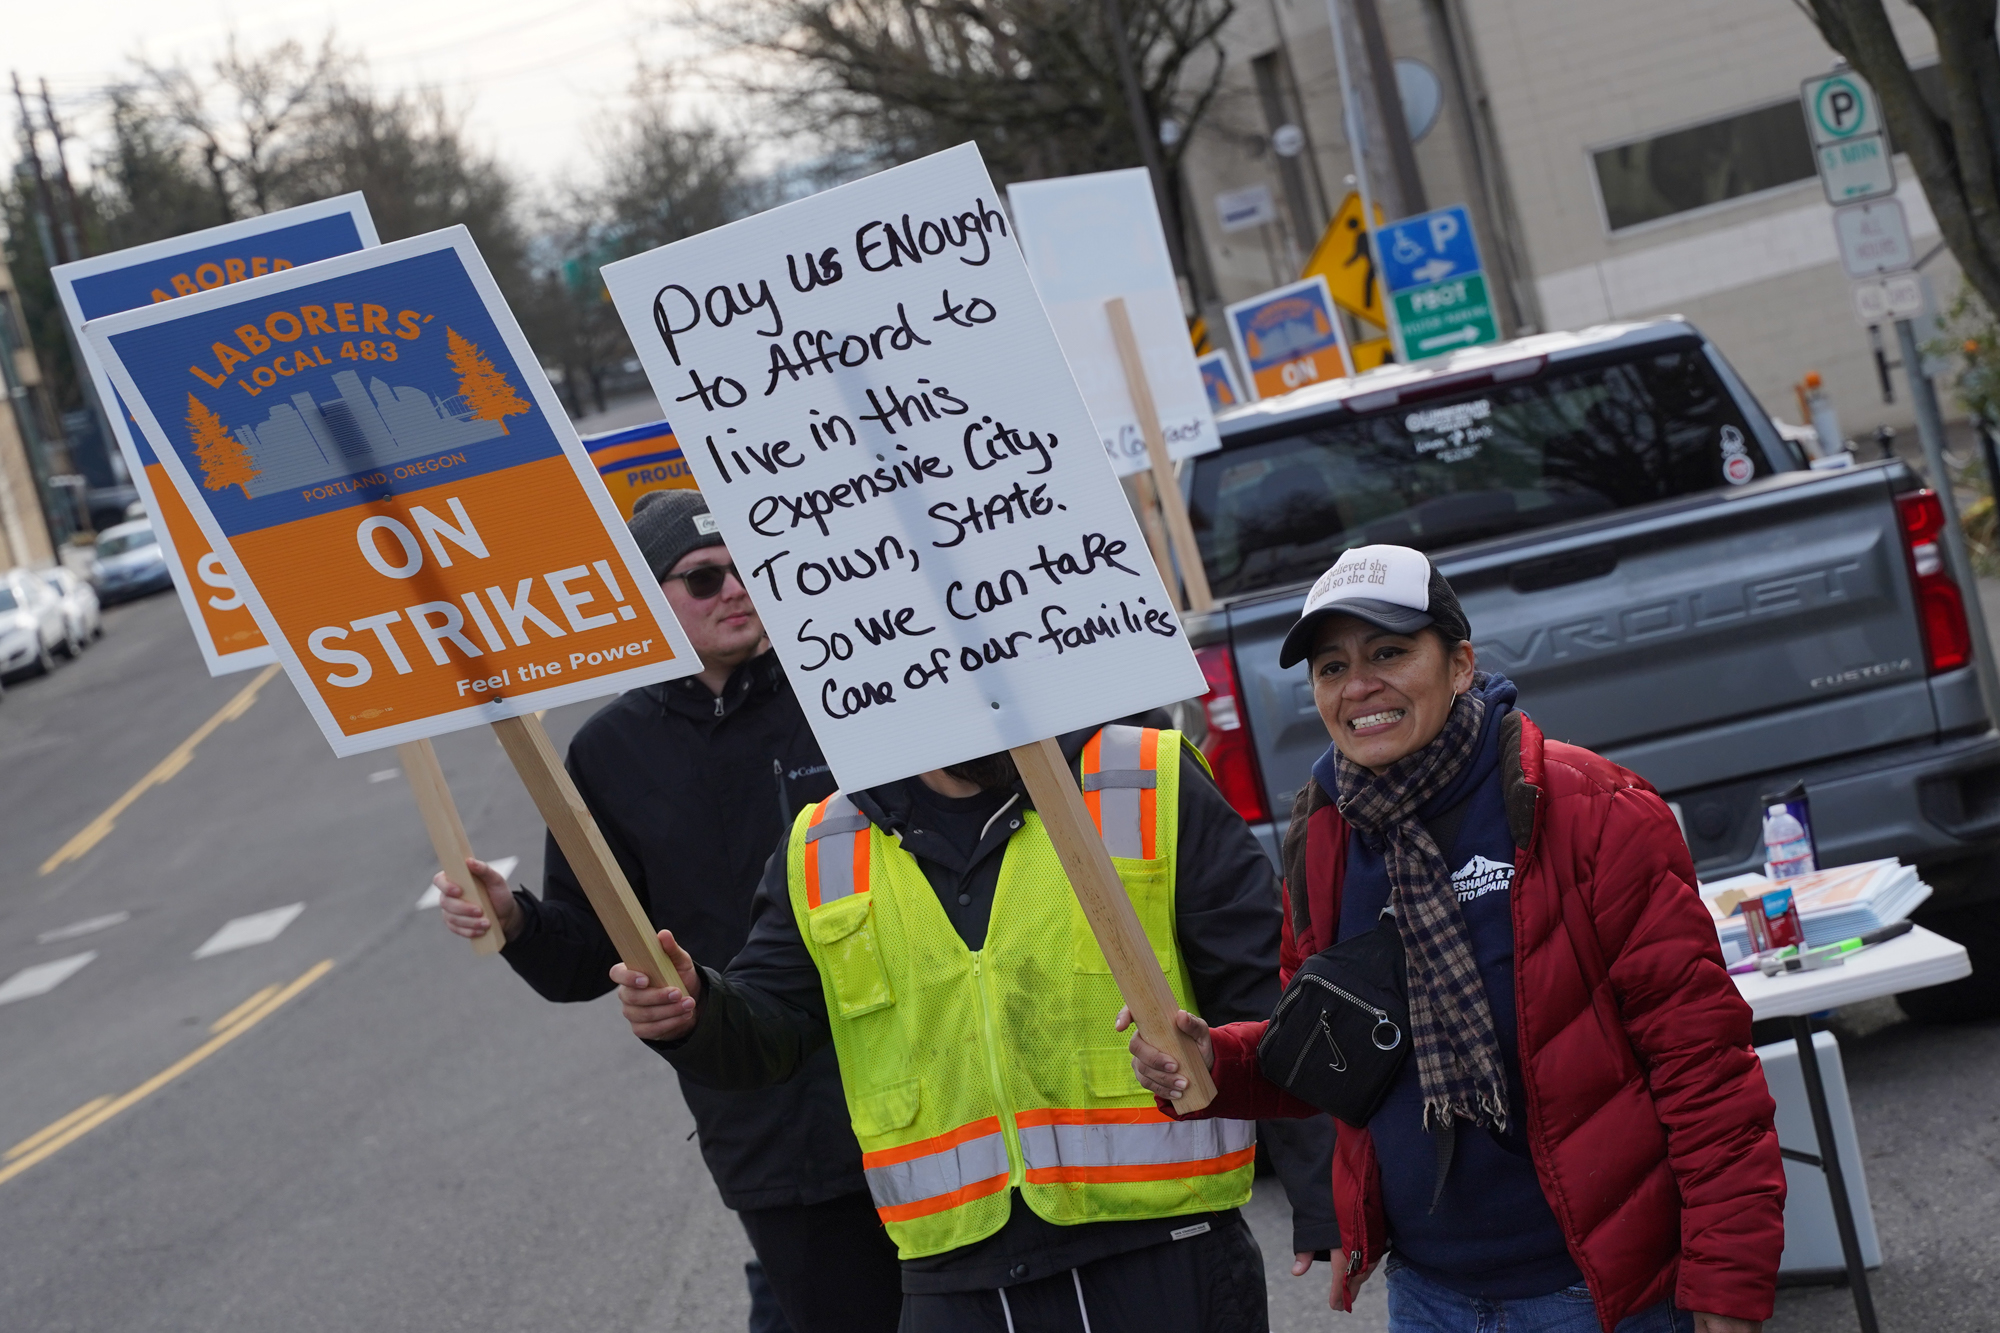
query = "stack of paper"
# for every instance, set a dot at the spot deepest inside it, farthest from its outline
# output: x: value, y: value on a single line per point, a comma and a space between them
x: 1834, y: 904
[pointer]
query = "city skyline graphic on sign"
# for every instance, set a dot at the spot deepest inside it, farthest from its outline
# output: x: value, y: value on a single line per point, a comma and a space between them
x: 309, y: 439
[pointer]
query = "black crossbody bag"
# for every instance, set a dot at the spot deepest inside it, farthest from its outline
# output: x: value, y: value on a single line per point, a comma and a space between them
x: 1340, y: 1033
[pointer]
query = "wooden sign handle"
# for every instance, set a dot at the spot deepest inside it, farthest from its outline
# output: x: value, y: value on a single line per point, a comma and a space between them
x: 1134, y: 966
x: 1193, y: 574
x: 440, y: 814
x: 534, y: 757
x: 1146, y: 502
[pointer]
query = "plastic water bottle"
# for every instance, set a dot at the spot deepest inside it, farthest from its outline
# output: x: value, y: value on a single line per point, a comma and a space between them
x: 1787, y: 849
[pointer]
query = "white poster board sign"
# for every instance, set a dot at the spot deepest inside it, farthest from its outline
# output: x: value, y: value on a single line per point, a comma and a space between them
x: 880, y: 416
x: 1088, y: 239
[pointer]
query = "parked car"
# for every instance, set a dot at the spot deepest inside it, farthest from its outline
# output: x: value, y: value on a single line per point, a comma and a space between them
x: 32, y: 625
x: 130, y: 563
x: 80, y: 606
x: 1653, y: 563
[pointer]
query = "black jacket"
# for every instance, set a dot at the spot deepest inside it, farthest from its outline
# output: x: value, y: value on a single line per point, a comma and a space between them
x: 691, y: 791
x: 764, y: 1017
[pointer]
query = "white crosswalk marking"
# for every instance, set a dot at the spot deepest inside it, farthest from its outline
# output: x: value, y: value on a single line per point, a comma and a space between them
x: 83, y: 927
x: 244, y: 931
x: 385, y: 775
x: 42, y: 977
x: 431, y: 897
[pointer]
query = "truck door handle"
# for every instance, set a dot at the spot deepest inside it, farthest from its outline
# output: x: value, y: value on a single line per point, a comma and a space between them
x: 1569, y: 567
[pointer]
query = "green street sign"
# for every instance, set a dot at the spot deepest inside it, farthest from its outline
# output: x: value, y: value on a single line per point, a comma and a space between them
x: 1445, y: 316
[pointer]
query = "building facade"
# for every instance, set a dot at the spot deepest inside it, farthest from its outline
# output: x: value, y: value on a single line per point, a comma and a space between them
x: 25, y: 536
x: 1621, y: 159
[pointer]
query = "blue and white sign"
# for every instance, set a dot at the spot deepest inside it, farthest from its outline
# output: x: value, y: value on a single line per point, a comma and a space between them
x: 1427, y: 249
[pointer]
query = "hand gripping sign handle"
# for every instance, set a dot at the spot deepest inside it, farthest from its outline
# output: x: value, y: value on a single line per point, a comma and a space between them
x: 1193, y: 575
x: 534, y: 756
x: 1134, y: 966
x: 426, y: 778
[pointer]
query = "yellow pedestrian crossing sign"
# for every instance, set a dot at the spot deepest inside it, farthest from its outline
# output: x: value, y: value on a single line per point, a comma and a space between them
x: 1343, y: 259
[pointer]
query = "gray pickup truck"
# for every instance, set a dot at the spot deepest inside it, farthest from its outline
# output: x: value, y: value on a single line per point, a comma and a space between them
x: 1660, y: 572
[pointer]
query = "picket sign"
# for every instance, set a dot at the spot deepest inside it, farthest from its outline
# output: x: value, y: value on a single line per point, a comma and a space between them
x: 224, y: 628
x: 879, y: 414
x: 353, y: 438
x: 1194, y: 576
x: 162, y: 271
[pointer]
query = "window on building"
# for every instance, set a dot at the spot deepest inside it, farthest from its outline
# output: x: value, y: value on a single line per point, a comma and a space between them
x: 1704, y: 164
x: 1716, y: 161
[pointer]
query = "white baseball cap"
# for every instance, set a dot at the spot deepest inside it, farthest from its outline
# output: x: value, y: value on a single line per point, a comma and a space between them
x: 1391, y: 587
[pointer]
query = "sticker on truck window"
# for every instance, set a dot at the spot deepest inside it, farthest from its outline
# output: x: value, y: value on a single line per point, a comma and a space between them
x: 1450, y: 434
x: 1737, y: 469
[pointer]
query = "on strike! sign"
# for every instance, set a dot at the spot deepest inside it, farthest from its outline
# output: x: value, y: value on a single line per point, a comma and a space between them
x: 181, y: 266
x: 372, y: 447
x: 877, y: 410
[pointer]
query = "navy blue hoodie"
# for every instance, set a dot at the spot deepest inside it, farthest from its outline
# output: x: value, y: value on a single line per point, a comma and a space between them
x: 1492, y: 1234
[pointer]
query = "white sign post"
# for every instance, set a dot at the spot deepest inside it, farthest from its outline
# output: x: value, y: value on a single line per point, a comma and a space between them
x: 1093, y: 240
x: 879, y: 415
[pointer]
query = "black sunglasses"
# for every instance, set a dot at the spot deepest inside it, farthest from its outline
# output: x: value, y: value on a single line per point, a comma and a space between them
x: 705, y: 581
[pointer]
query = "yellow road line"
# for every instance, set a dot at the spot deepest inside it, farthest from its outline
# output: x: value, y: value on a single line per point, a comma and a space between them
x: 58, y: 1136
x: 35, y: 1139
x: 229, y: 1018
x: 93, y: 833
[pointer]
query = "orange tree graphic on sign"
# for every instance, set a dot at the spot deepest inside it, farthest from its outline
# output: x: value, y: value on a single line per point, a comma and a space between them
x: 485, y: 390
x: 224, y: 460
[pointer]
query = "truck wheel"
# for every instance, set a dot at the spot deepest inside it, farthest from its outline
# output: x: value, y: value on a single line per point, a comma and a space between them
x: 1969, y: 999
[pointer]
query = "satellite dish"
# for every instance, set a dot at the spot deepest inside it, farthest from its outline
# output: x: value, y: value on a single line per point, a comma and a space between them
x: 1422, y: 95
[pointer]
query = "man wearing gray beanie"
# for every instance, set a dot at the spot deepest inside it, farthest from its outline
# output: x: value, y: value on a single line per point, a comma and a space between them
x: 692, y: 782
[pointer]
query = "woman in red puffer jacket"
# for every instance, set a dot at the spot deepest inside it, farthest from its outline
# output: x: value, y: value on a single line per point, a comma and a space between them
x: 1608, y: 1157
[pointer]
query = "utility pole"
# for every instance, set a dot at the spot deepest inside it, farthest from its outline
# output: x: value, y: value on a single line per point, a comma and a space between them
x: 1148, y: 138
x: 46, y: 210
x: 1395, y: 133
x: 78, y: 246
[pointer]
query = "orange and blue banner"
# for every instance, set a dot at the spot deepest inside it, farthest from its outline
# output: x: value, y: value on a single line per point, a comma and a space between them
x: 637, y: 460
x: 373, y: 448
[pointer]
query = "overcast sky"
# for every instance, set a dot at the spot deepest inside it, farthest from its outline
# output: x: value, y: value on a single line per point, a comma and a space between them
x: 531, y: 75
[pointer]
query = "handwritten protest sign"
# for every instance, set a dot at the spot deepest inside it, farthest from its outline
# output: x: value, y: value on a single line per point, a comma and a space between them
x: 371, y: 442
x: 1290, y: 337
x: 1089, y: 239
x: 144, y: 275
x: 638, y: 460
x: 878, y: 412
x: 880, y: 417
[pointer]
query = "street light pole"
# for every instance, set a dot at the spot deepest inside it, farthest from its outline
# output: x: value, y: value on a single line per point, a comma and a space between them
x: 1357, y: 150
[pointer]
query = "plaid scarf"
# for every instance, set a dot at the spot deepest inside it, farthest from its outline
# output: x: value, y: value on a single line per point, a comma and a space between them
x: 1451, y: 1021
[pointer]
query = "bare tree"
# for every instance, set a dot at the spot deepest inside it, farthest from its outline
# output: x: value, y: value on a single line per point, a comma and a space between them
x: 1954, y: 150
x: 1044, y: 87
x: 266, y: 95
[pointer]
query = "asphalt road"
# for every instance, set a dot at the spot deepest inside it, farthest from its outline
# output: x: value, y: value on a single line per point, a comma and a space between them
x: 395, y: 1134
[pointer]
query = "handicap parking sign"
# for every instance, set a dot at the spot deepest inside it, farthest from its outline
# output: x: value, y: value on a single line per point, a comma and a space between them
x: 1427, y: 249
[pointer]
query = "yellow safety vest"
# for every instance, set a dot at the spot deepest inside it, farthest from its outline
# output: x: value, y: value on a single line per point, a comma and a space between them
x: 971, y: 1071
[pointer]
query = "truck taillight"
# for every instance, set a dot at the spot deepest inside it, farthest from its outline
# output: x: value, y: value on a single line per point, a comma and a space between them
x: 1940, y: 604
x: 1230, y: 751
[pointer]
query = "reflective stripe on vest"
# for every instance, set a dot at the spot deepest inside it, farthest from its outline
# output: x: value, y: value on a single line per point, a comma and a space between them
x: 1127, y: 1144
x: 836, y: 851
x: 1120, y: 789
x: 931, y: 1175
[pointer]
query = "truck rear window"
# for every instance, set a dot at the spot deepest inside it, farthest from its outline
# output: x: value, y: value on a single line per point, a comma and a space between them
x: 1486, y: 462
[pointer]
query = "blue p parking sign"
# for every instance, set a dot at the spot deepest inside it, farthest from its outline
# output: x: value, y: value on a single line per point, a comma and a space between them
x: 1437, y: 294
x: 1427, y: 249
